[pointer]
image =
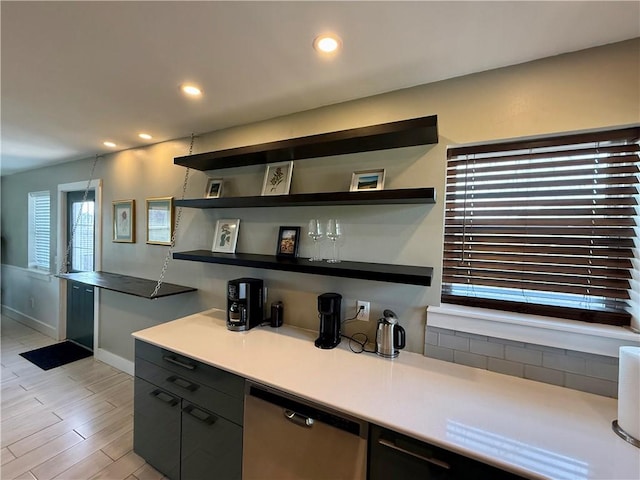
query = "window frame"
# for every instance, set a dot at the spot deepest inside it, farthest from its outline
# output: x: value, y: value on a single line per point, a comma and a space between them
x: 39, y: 231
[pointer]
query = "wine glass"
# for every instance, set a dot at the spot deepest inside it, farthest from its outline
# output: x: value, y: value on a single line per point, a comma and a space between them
x: 334, y: 231
x: 316, y: 233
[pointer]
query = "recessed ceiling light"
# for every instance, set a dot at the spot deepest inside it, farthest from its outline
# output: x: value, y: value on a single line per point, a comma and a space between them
x: 109, y: 144
x: 327, y: 43
x: 191, y: 90
x: 145, y: 136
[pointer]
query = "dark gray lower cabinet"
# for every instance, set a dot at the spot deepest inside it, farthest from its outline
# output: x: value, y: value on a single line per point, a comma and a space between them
x: 204, y: 437
x: 157, y: 427
x: 393, y: 456
x: 187, y: 416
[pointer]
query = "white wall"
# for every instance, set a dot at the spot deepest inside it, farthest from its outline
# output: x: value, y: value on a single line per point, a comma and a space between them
x: 590, y: 89
x: 31, y: 298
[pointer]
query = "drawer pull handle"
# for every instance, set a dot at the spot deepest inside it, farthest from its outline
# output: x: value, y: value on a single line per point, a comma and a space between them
x: 393, y: 446
x: 298, y: 419
x: 175, y: 361
x: 200, y: 415
x: 165, y: 397
x: 182, y: 383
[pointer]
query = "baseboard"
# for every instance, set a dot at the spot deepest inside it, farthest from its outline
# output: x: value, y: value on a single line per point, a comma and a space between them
x: 31, y: 322
x: 114, y: 360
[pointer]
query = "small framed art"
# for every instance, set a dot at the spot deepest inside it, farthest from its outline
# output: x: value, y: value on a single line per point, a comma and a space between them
x: 367, y: 180
x: 214, y: 188
x: 225, y: 238
x: 288, y: 242
x: 277, y: 179
x: 159, y: 220
x: 124, y: 221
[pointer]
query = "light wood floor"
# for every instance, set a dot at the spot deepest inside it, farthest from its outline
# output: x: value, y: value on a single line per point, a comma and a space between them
x: 73, y: 422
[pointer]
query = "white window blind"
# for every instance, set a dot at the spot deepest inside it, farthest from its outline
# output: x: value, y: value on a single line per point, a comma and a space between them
x: 545, y: 226
x: 39, y: 230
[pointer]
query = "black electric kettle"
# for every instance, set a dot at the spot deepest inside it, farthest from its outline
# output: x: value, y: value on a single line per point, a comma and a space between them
x: 390, y: 337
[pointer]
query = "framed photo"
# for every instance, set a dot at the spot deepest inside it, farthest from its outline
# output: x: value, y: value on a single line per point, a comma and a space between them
x: 214, y: 188
x: 225, y: 237
x: 159, y: 220
x: 277, y: 179
x: 124, y: 221
x: 288, y: 242
x: 366, y: 180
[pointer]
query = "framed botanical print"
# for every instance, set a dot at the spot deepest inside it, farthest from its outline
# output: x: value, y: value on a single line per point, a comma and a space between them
x: 277, y: 179
x: 124, y: 221
x: 225, y: 238
x: 159, y: 220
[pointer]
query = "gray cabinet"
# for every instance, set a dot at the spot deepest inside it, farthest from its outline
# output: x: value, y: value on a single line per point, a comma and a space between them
x: 393, y: 456
x: 157, y: 427
x: 187, y: 416
x: 80, y: 314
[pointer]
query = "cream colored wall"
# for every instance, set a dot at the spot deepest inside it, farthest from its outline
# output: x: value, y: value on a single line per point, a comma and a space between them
x: 585, y: 90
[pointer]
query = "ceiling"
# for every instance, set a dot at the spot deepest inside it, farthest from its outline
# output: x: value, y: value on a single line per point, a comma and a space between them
x: 75, y: 74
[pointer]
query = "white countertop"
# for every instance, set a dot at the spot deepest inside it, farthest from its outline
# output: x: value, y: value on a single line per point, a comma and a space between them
x: 531, y: 428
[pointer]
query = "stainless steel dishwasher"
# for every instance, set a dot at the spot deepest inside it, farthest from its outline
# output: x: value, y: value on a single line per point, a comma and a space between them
x: 286, y: 437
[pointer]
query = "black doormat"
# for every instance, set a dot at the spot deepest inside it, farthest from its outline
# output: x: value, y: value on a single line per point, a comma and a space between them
x: 56, y: 355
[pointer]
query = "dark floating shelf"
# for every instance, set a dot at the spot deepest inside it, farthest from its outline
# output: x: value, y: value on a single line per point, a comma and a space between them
x: 378, y: 197
x: 139, y: 287
x: 380, y: 272
x: 405, y: 133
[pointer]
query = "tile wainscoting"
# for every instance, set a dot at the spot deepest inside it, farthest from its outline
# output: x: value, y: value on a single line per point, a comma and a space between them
x: 572, y: 369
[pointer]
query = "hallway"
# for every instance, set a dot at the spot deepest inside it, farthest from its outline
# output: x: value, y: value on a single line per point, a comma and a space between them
x: 73, y: 422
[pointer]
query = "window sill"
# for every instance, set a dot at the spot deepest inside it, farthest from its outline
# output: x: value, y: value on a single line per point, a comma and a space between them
x: 38, y: 274
x: 553, y: 332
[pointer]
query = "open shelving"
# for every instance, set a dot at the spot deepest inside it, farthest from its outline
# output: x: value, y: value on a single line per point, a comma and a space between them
x: 404, y: 133
x: 405, y: 274
x: 380, y: 197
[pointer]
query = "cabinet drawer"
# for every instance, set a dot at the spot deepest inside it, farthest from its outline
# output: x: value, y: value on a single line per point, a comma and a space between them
x: 393, y: 455
x: 211, y: 445
x: 191, y: 369
x: 219, y: 402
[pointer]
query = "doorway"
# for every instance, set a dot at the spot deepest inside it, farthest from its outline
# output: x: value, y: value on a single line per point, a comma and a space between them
x: 81, y: 230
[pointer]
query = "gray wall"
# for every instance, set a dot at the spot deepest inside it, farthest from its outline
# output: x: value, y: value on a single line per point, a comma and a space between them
x: 589, y: 89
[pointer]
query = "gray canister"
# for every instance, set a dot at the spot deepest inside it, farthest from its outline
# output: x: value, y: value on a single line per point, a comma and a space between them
x: 277, y: 314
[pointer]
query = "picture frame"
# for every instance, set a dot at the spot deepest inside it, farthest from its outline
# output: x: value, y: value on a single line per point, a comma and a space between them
x: 159, y: 220
x: 288, y: 242
x: 367, y: 180
x: 124, y: 221
x: 214, y: 188
x: 225, y: 237
x: 277, y: 178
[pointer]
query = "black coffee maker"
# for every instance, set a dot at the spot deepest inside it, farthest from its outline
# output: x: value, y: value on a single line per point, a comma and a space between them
x: 244, y: 303
x: 329, y: 313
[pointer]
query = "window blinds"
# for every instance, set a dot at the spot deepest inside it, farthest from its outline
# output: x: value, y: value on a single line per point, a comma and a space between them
x: 544, y: 227
x: 40, y: 230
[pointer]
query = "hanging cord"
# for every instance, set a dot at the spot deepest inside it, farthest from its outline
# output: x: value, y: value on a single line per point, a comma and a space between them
x: 65, y: 259
x: 175, y: 228
x: 352, y: 338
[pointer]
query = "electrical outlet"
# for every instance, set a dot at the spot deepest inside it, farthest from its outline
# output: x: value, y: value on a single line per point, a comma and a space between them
x: 364, y: 313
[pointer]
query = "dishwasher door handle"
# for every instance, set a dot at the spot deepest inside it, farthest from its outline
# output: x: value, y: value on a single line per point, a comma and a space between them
x: 298, y: 419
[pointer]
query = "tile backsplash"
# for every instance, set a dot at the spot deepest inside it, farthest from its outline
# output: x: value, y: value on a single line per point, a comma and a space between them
x: 581, y: 371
